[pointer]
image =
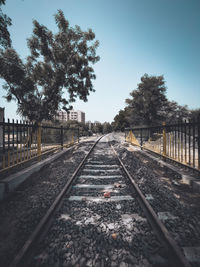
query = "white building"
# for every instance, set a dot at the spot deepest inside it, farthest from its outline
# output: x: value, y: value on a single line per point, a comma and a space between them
x: 62, y: 115
x: 73, y: 115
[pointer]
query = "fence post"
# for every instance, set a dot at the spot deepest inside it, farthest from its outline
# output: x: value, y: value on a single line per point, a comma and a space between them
x: 39, y: 141
x: 141, y: 141
x: 78, y: 133
x: 8, y: 143
x: 198, y: 137
x: 61, y: 136
x: 164, y: 139
x: 4, y: 150
x: 72, y: 138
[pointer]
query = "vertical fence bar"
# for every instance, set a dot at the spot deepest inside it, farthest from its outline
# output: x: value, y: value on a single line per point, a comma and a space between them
x: 159, y: 145
x: 26, y: 134
x: 24, y: 141
x: 178, y: 142
x: 17, y: 141
x: 185, y: 131
x: 181, y: 142
x: 175, y: 143
x: 13, y: 142
x: 189, y: 142
x: 30, y: 138
x: 39, y: 141
x: 198, y: 140
x: 168, y: 141
x: 20, y: 140
x: 193, y: 143
x: 35, y: 135
x: 141, y: 141
x: 8, y: 143
x: 72, y: 137
x: 164, y: 139
x: 61, y: 137
x: 31, y: 141
x: 78, y: 134
x: 4, y: 154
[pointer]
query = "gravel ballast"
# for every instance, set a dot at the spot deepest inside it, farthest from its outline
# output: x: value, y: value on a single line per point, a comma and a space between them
x: 21, y: 211
x: 95, y: 233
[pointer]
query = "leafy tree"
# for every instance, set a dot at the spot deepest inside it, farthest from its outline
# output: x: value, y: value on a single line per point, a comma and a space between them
x: 195, y: 114
x: 121, y: 120
x: 107, y: 128
x: 5, y: 21
x: 57, y: 61
x: 148, y: 101
x: 97, y: 127
x: 175, y: 113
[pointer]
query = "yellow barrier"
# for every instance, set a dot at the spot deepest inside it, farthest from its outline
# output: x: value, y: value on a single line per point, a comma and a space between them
x: 132, y: 139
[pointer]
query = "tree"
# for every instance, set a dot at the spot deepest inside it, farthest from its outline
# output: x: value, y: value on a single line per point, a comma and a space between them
x: 56, y: 62
x: 5, y: 21
x: 175, y: 113
x: 107, y: 128
x: 148, y: 101
x: 195, y: 114
x: 97, y: 127
x: 121, y: 120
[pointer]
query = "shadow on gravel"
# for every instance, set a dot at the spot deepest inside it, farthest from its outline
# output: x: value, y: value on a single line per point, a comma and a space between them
x: 96, y: 236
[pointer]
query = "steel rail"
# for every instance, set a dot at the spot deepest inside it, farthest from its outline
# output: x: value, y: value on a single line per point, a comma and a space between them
x: 21, y: 257
x: 176, y: 256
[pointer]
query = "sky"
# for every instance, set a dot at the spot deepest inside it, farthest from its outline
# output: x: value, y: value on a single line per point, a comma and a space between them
x: 157, y: 37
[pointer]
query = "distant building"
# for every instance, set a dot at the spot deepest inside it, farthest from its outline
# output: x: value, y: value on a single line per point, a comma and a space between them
x: 62, y: 116
x: 73, y: 115
x: 77, y: 115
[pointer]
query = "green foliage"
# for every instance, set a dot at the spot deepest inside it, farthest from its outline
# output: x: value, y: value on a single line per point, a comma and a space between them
x: 148, y: 101
x: 175, y: 113
x: 97, y: 127
x: 195, y: 114
x: 107, y: 127
x: 5, y: 21
x: 121, y: 120
x: 150, y: 106
x: 57, y: 71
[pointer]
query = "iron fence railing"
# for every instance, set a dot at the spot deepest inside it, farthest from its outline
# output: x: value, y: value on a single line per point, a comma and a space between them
x: 180, y: 141
x: 21, y: 141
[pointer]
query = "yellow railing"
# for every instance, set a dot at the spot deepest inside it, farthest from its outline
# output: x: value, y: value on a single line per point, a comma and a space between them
x: 23, y: 142
x: 180, y: 142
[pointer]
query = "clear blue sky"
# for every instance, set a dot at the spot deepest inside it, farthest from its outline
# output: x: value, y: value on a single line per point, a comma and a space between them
x: 136, y: 37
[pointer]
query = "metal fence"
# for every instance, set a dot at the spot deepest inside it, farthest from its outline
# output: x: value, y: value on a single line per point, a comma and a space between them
x: 21, y: 141
x: 180, y: 141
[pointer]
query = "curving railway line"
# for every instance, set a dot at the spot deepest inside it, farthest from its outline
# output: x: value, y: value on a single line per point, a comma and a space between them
x: 100, y: 218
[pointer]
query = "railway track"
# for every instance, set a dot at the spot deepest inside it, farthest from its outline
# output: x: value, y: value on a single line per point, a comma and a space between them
x: 100, y: 218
